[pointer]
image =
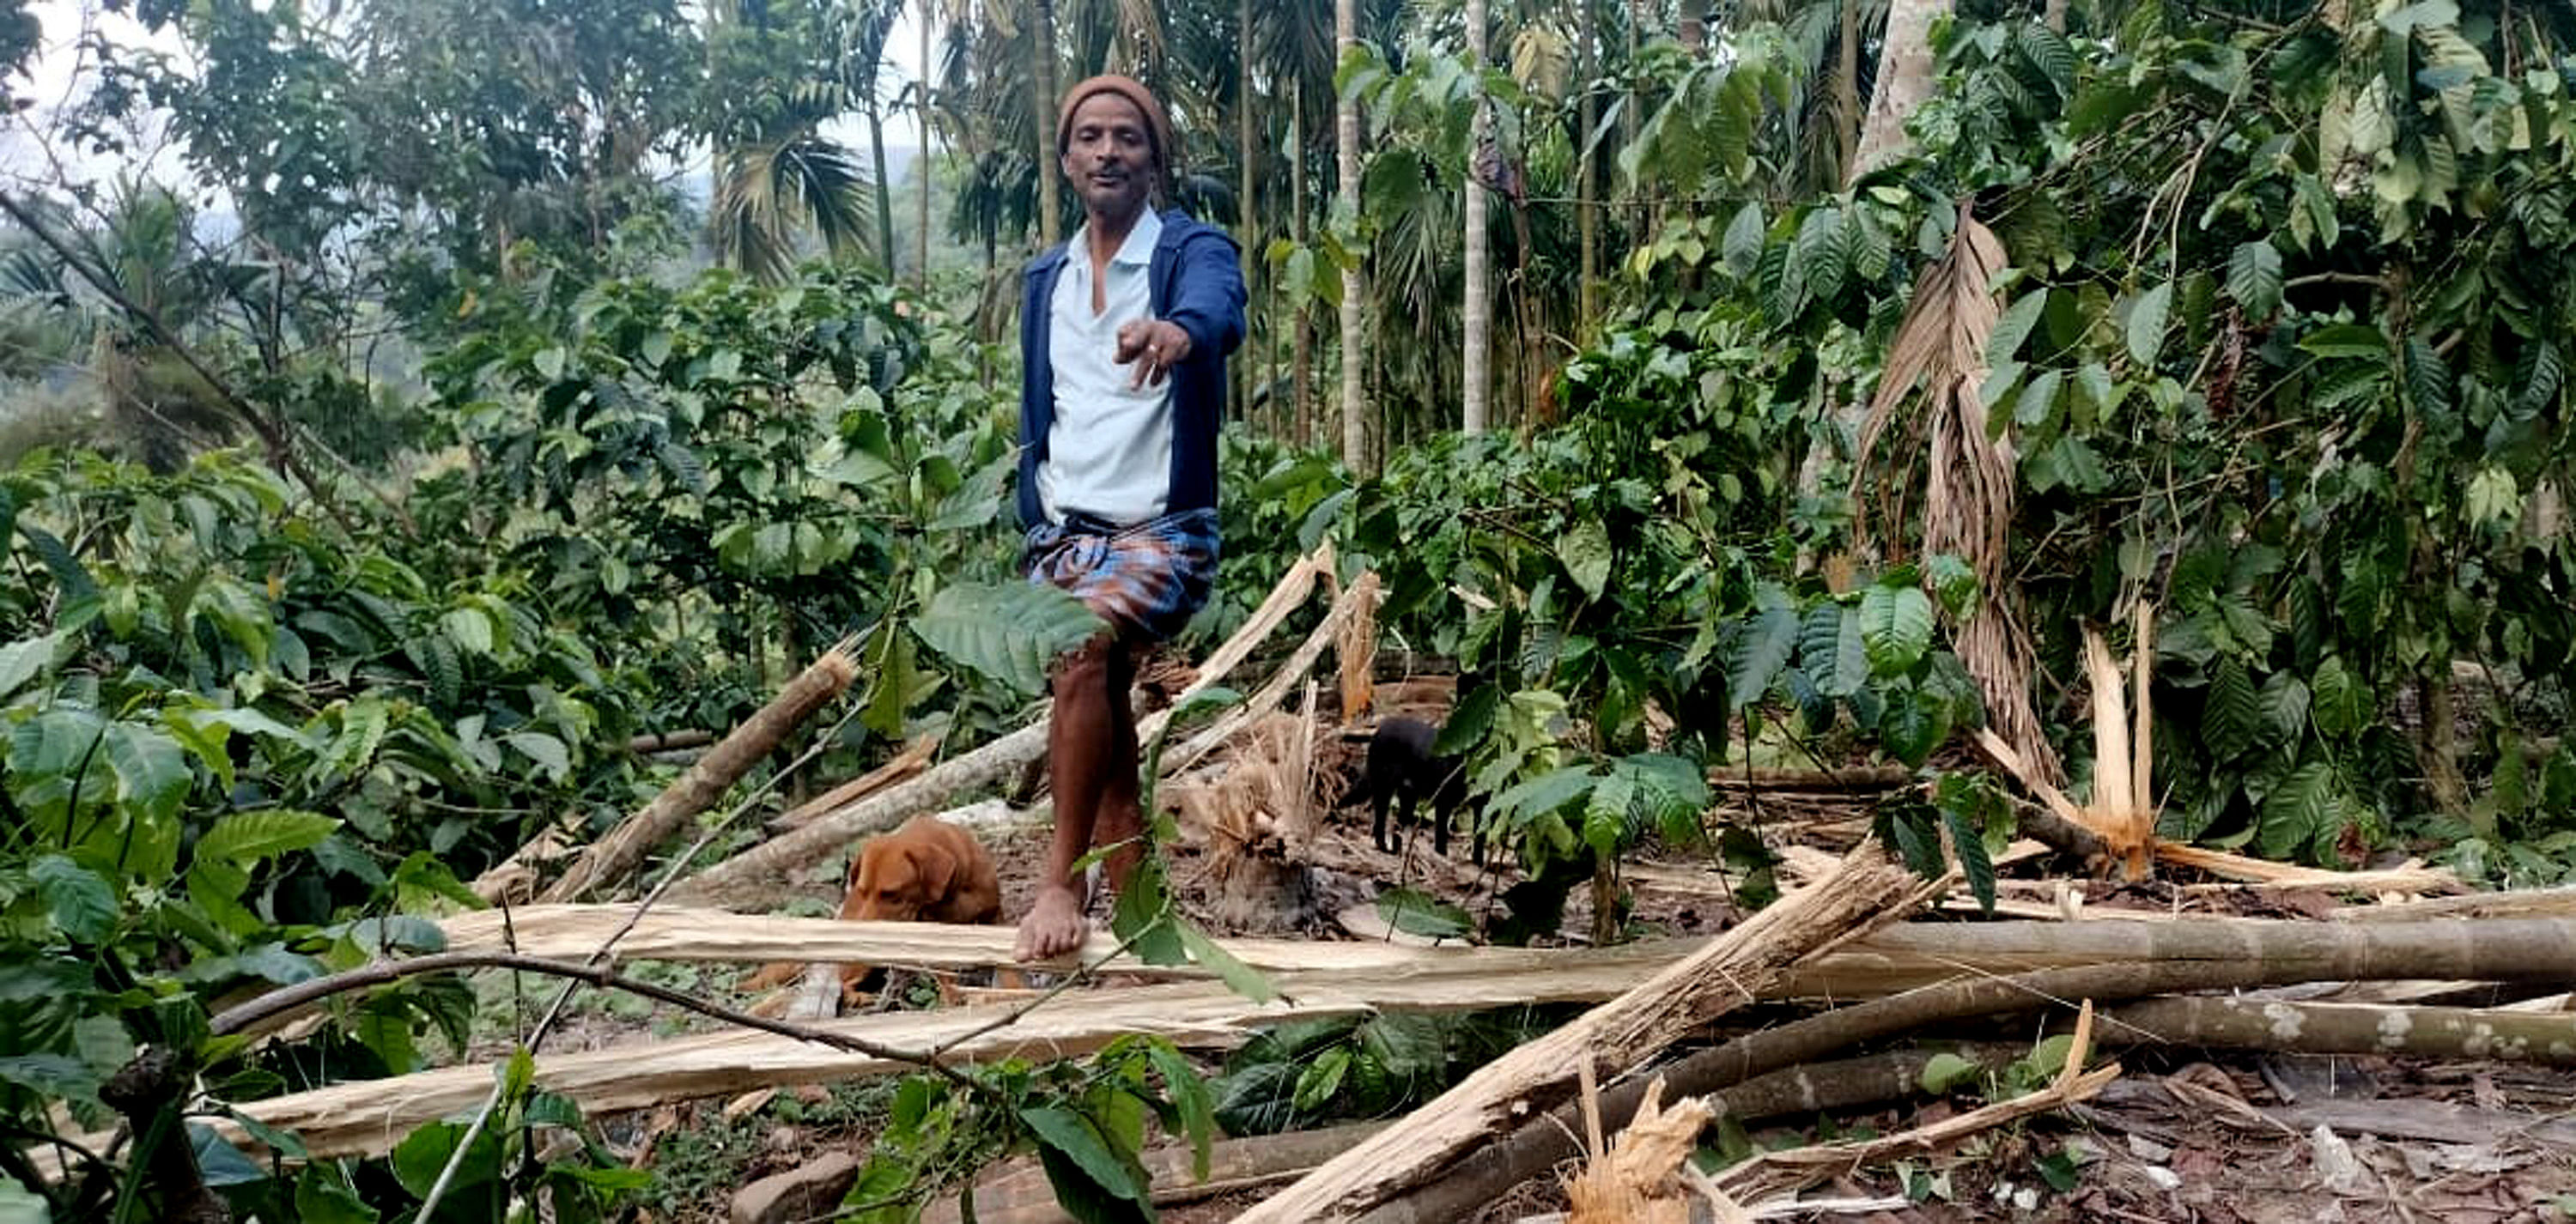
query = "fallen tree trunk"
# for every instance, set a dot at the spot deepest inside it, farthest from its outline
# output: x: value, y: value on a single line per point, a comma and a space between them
x: 612, y: 857
x: 757, y: 875
x: 1879, y: 963
x: 2518, y: 950
x: 1720, y: 977
x: 370, y: 1117
x: 2236, y: 1022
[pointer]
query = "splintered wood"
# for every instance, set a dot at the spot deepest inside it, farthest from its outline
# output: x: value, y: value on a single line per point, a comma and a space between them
x: 1730, y: 971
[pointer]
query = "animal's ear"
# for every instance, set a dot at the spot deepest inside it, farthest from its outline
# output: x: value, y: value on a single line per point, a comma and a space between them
x: 936, y: 868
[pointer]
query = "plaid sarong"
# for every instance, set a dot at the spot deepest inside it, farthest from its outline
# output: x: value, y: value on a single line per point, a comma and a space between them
x: 1146, y: 580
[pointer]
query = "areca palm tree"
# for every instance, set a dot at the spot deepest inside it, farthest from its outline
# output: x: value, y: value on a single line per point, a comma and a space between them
x: 778, y: 75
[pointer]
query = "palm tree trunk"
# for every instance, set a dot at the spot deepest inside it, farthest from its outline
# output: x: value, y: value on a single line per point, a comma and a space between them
x: 922, y: 164
x: 1346, y: 161
x: 1478, y: 307
x: 1250, y: 232
x: 1847, y: 91
x: 1904, y: 81
x: 1301, y: 359
x: 1587, y: 217
x: 884, y: 192
x: 1042, y: 50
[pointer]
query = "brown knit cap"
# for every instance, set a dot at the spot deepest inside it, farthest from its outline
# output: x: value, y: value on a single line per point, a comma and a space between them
x: 1158, y: 128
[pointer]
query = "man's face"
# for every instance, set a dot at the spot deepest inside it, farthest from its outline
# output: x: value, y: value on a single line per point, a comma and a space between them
x: 1109, y: 156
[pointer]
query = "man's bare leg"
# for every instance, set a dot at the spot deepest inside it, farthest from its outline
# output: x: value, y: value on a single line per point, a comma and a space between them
x: 1119, y: 820
x: 1080, y: 763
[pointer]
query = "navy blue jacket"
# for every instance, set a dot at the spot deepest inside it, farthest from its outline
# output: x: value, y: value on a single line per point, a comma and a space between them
x: 1196, y: 281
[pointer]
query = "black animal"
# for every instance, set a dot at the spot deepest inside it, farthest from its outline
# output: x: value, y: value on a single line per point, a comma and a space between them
x: 1403, y: 770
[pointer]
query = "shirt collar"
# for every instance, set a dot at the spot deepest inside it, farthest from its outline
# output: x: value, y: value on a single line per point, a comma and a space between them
x: 1137, y: 250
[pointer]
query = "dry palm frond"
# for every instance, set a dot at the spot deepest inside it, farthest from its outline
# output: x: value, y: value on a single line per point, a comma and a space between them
x: 1968, y: 491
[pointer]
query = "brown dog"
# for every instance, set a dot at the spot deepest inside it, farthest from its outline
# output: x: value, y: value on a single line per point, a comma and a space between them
x: 926, y: 871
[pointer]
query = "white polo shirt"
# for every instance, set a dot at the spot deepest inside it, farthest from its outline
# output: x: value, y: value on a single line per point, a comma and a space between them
x: 1109, y: 451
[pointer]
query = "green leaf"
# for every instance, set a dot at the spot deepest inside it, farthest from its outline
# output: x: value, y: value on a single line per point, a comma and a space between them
x: 1548, y: 792
x: 2336, y: 704
x: 151, y: 772
x: 1416, y: 912
x: 1917, y: 840
x: 219, y: 1161
x: 1763, y: 644
x: 1009, y: 631
x: 2254, y: 279
x: 2014, y: 326
x: 549, y: 753
x: 1942, y: 1072
x: 1896, y: 626
x: 1076, y: 1138
x: 1605, y: 815
x: 1586, y: 554
x: 1191, y: 1098
x: 23, y: 661
x: 469, y: 628
x: 1743, y: 242
x: 2285, y: 706
x: 1238, y: 977
x: 1913, y: 723
x: 1820, y: 638
x: 2492, y: 498
x: 2146, y: 326
x: 2232, y: 718
x: 2346, y: 340
x: 2295, y: 812
x: 1321, y: 1079
x: 1955, y: 581
x: 247, y: 837
x: 1974, y: 863
x: 83, y: 907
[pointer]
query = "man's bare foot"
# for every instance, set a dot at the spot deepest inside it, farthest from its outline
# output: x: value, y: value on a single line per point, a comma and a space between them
x: 1054, y: 927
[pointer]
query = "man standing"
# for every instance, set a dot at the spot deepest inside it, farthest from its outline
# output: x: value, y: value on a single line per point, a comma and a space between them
x: 1124, y: 333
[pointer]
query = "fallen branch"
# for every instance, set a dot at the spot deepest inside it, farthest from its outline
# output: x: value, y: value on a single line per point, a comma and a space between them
x: 2410, y: 879
x: 909, y: 763
x: 1787, y: 1171
x: 612, y: 857
x: 1725, y: 974
x: 1356, y: 601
